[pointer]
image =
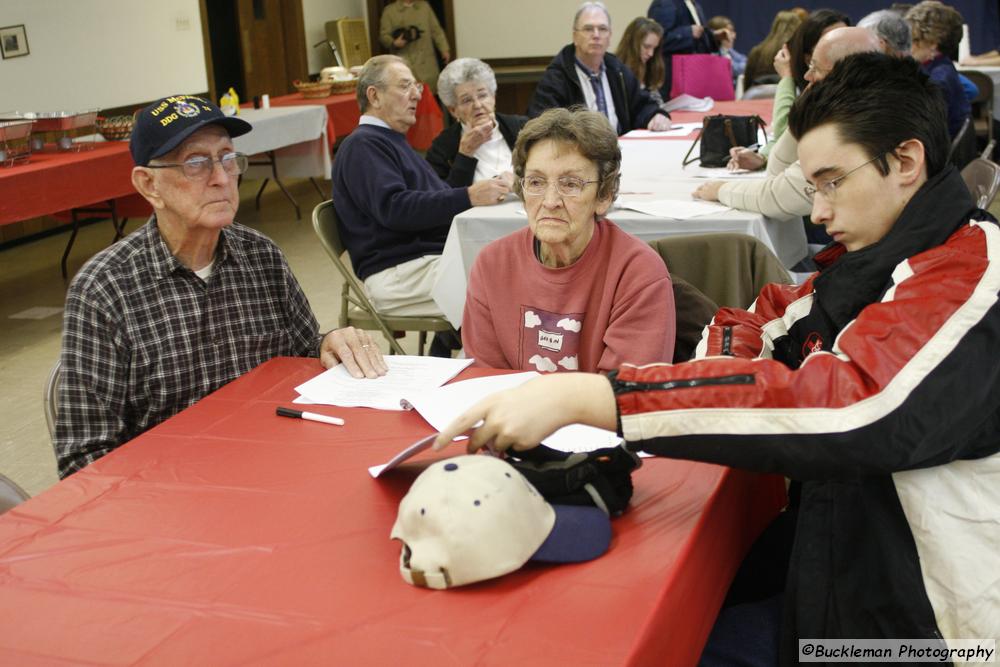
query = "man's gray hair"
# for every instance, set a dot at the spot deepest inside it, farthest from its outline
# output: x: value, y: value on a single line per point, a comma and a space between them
x: 464, y: 70
x: 373, y: 74
x: 891, y: 28
x: 591, y: 5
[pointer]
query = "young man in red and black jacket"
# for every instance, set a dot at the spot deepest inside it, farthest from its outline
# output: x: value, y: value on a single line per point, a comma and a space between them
x: 874, y: 383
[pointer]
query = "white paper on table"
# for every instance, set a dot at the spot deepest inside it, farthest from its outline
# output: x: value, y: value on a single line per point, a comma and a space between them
x: 724, y: 174
x: 673, y: 209
x: 408, y: 375
x: 441, y: 406
x: 409, y: 452
x: 676, y: 130
x: 688, y: 103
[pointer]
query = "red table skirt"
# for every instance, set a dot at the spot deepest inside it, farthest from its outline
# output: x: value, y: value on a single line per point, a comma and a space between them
x: 54, y: 181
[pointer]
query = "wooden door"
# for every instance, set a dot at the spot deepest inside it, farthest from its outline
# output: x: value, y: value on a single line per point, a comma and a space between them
x: 272, y: 45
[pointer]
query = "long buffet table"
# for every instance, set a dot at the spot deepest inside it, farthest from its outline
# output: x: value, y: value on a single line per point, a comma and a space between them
x: 53, y: 181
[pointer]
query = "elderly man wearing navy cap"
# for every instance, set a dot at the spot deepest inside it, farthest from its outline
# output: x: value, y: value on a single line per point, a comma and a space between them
x: 186, y: 303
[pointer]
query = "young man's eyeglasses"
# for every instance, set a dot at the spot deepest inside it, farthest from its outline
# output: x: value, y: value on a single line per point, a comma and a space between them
x: 829, y: 188
x: 200, y: 168
x: 566, y: 186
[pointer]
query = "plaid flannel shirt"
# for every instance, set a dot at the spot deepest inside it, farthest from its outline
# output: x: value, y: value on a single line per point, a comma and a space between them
x: 144, y: 337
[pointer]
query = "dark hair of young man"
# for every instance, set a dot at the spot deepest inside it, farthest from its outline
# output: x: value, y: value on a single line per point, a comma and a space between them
x: 877, y: 102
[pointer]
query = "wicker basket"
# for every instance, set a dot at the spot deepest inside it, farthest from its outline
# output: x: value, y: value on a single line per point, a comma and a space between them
x: 345, y: 86
x: 116, y: 128
x: 313, y: 89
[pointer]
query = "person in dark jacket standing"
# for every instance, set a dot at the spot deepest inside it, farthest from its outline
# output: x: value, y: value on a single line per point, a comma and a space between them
x: 874, y: 384
x: 584, y: 73
x: 684, y: 31
x: 480, y: 144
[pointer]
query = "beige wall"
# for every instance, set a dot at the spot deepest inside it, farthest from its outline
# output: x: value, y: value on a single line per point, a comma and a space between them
x: 101, y: 53
x: 527, y: 28
x: 315, y: 14
x: 111, y: 53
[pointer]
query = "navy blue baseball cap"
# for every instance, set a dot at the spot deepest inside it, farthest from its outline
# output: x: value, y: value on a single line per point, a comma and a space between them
x: 165, y: 124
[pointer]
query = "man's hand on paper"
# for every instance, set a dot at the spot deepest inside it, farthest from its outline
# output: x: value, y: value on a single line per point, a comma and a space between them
x: 658, y: 123
x: 708, y: 191
x: 355, y: 349
x: 523, y: 416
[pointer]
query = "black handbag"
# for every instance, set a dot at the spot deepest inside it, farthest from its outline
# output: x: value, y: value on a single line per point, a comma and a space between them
x: 720, y: 133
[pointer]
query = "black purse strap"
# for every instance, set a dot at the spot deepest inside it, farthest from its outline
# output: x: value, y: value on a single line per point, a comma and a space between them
x: 755, y: 121
x: 686, y: 162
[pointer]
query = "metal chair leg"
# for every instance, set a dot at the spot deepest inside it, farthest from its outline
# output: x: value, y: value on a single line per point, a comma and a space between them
x: 318, y: 189
x: 69, y: 244
x: 256, y: 200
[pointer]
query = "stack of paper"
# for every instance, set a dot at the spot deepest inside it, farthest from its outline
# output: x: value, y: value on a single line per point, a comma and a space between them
x: 673, y: 209
x: 408, y: 375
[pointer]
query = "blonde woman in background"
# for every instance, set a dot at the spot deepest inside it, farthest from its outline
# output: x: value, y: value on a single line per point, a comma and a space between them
x: 760, y: 62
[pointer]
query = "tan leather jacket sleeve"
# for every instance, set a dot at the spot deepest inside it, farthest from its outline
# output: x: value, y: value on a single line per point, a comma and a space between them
x: 781, y: 195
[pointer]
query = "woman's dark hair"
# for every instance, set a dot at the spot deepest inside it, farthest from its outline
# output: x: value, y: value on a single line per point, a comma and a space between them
x: 802, y: 43
x: 877, y: 102
x: 652, y: 73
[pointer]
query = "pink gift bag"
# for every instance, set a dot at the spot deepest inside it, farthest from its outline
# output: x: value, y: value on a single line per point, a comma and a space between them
x: 703, y: 75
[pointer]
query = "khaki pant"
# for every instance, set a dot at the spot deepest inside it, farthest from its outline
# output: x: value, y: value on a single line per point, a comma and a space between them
x: 405, y: 289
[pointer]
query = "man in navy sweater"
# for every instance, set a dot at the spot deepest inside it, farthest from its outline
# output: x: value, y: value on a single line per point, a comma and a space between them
x: 394, y: 210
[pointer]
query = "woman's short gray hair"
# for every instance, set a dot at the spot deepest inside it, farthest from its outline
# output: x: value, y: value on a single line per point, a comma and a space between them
x: 589, y: 132
x: 464, y: 70
x: 890, y: 27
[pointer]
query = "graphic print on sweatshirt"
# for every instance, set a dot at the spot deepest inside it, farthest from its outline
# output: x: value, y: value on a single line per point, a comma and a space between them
x: 550, y: 341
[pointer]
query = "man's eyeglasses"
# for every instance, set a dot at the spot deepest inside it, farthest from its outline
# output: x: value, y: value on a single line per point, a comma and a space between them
x: 406, y: 87
x: 200, y: 168
x: 829, y: 188
x: 566, y: 186
x: 601, y: 30
x: 816, y: 69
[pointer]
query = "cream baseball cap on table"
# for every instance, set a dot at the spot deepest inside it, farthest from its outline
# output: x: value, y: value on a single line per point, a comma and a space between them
x: 471, y: 518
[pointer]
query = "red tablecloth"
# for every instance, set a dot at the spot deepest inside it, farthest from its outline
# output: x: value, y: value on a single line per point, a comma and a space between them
x: 229, y: 536
x: 55, y: 181
x: 343, y: 114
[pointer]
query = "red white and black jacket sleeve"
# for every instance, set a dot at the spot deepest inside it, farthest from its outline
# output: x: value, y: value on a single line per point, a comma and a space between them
x: 913, y: 372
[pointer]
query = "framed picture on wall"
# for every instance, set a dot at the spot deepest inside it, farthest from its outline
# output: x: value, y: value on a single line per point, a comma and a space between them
x: 13, y: 41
